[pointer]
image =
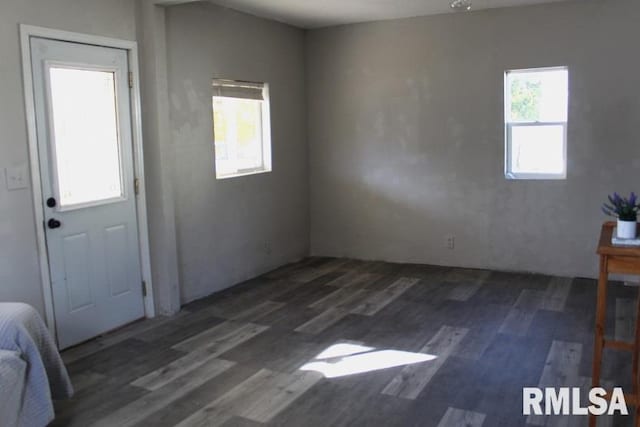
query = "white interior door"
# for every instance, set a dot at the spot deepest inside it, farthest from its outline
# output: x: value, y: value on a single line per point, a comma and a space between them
x: 83, y: 119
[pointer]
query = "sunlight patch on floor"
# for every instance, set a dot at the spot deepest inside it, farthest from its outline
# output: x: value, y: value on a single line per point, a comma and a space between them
x: 340, y: 360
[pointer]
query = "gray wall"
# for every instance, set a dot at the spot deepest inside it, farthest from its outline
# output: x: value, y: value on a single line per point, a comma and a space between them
x: 19, y: 271
x: 406, y: 136
x: 233, y: 229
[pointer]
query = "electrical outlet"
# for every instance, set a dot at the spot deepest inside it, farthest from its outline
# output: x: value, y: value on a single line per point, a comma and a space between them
x: 449, y: 241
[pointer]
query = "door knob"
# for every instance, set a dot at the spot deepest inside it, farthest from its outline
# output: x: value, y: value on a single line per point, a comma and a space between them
x: 54, y: 223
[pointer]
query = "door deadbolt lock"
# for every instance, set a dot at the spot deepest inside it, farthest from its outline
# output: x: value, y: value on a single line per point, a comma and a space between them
x: 51, y: 202
x: 54, y: 223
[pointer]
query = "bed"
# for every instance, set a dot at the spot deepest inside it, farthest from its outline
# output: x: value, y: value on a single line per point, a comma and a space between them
x: 32, y: 373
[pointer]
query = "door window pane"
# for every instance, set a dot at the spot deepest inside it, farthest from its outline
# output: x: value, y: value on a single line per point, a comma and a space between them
x: 85, y: 135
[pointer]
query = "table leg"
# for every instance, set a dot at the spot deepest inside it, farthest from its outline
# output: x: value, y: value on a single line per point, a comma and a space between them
x: 636, y: 357
x: 598, y: 342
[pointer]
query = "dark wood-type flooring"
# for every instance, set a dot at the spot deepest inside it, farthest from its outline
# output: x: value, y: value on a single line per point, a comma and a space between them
x: 333, y: 342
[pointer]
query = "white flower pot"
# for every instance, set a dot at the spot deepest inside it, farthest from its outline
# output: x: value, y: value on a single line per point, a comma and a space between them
x: 627, y: 229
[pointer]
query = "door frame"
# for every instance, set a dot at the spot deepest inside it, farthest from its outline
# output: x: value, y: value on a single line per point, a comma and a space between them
x: 26, y: 32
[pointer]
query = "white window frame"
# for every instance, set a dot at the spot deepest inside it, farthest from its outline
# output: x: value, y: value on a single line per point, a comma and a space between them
x: 265, y: 124
x: 509, y: 125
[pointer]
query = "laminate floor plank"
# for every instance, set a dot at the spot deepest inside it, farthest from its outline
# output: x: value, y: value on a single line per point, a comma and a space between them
x: 241, y: 422
x: 461, y: 418
x: 464, y: 291
x: 517, y: 321
x: 310, y: 274
x: 561, y: 367
x: 86, y: 379
x: 365, y: 281
x: 339, y: 295
x: 138, y: 410
x: 253, y: 314
x: 172, y: 332
x: 625, y: 323
x: 336, y: 306
x: 498, y: 288
x: 378, y: 300
x: 288, y: 317
x: 475, y: 343
x: 322, y: 321
x: 308, y: 293
x: 322, y: 405
x: 340, y: 298
x: 126, y: 361
x: 103, y: 342
x: 260, y: 398
x: 183, y: 407
x: 409, y: 383
x: 178, y: 368
x: 465, y: 275
x: 276, y: 350
x: 288, y: 269
x: 353, y: 279
x: 555, y: 297
x: 274, y: 398
x: 562, y: 364
x: 93, y: 403
x: 222, y: 337
x: 522, y: 313
x: 429, y: 293
x: 530, y: 299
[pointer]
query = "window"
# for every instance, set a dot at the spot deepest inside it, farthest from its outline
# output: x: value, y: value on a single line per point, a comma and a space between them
x: 241, y: 128
x: 536, y: 104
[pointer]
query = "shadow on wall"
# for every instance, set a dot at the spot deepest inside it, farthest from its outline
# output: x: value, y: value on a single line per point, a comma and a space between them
x: 373, y: 217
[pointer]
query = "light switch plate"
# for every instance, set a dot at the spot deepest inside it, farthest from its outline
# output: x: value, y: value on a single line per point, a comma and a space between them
x: 17, y: 177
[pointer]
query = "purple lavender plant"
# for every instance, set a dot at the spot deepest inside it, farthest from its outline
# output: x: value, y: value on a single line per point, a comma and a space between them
x: 623, y: 208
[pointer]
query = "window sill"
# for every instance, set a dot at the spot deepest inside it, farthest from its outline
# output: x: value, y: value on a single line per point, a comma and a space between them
x: 535, y: 176
x: 239, y: 174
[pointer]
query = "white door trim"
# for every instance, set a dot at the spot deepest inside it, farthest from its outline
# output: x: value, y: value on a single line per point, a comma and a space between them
x: 26, y: 32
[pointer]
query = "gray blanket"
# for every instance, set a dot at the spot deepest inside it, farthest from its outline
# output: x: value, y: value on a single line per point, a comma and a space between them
x: 31, y: 370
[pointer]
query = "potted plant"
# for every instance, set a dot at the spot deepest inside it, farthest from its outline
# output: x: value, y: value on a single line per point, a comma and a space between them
x: 626, y: 210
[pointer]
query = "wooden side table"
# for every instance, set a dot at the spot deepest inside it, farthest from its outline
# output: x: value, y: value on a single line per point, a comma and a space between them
x: 621, y: 260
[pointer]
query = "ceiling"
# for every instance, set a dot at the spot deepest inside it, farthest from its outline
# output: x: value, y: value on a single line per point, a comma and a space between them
x: 325, y: 13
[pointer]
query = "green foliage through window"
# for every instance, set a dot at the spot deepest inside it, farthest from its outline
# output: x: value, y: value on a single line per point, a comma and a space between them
x: 525, y: 100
